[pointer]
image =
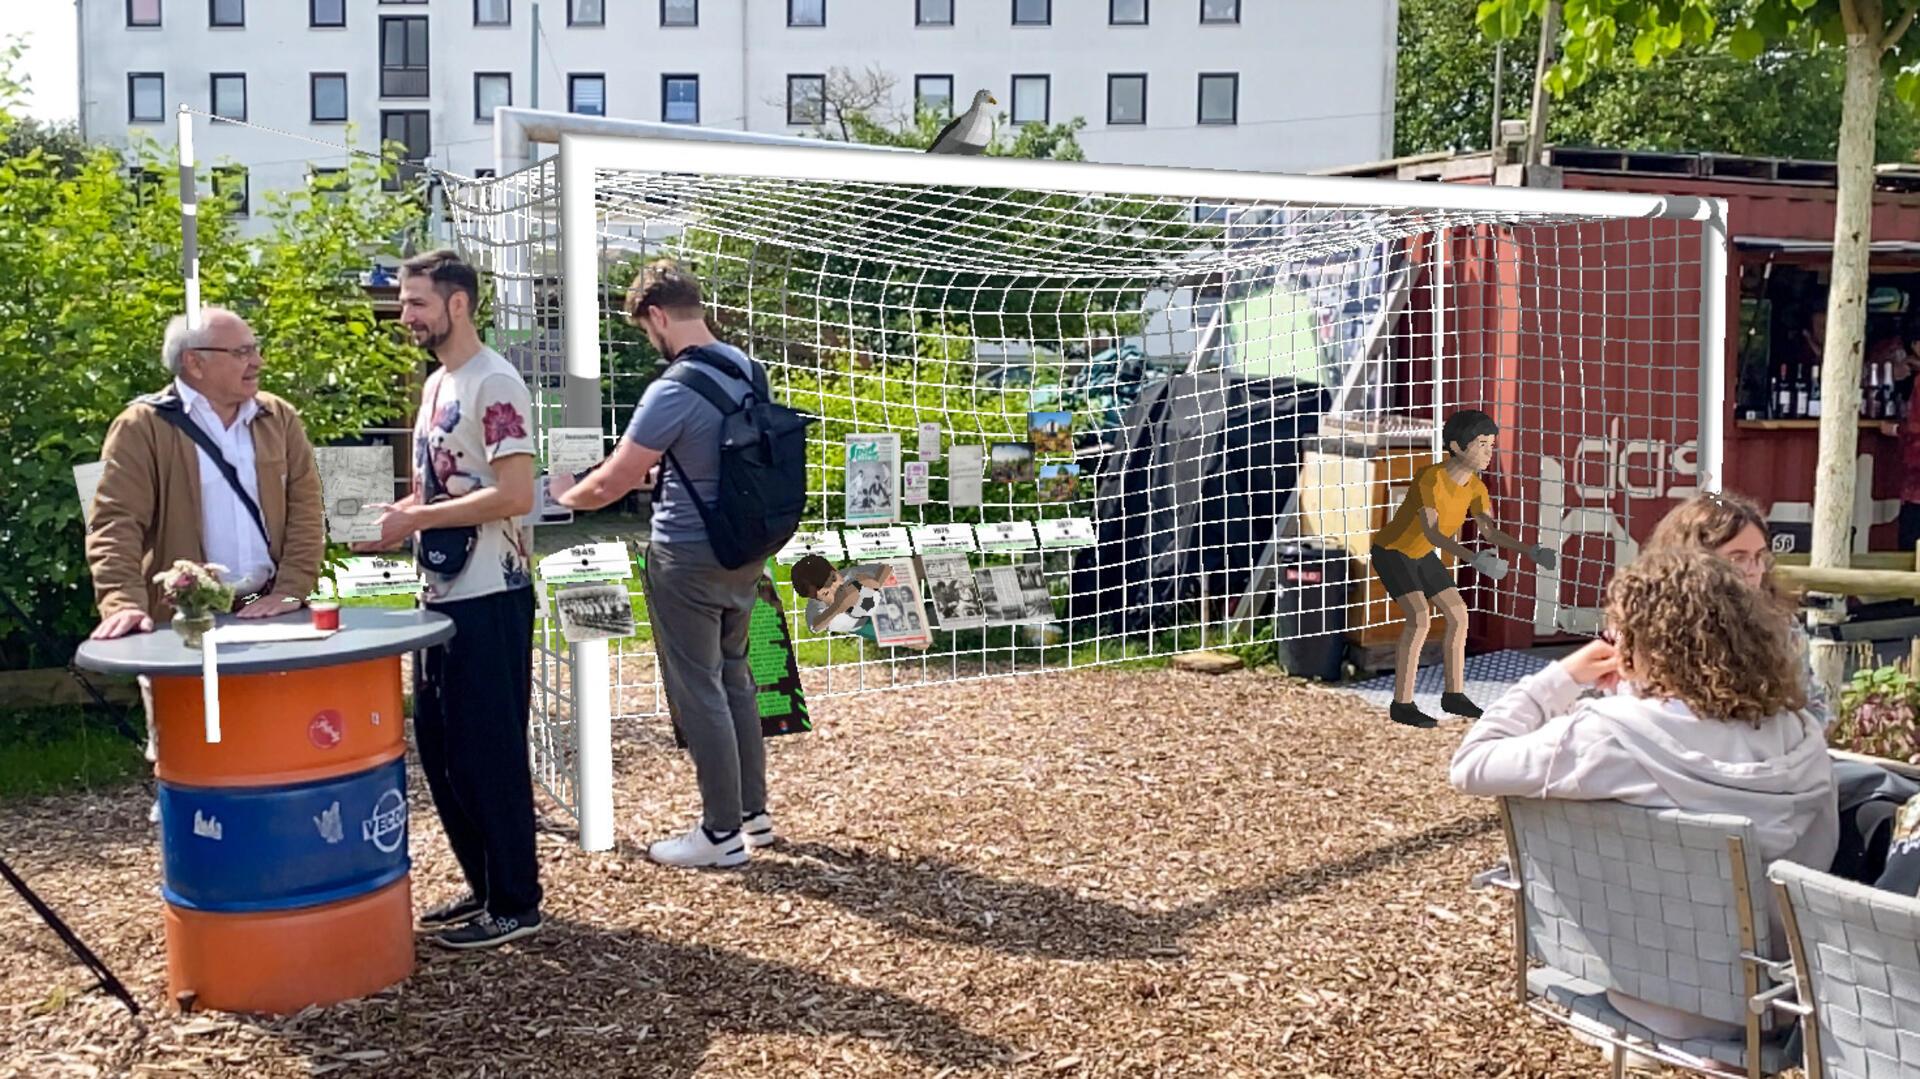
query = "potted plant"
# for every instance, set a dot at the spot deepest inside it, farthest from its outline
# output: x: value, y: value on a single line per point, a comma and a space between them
x: 1880, y: 715
x: 197, y: 594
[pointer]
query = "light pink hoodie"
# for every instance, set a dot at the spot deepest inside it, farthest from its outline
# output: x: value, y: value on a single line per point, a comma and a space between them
x: 1542, y: 740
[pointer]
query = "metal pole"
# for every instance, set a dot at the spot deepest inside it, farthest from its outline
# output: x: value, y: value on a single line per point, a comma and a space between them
x: 533, y: 91
x: 593, y: 743
x: 580, y: 322
x: 1439, y: 289
x: 1537, y: 128
x: 1499, y: 72
x: 189, y: 220
x: 1713, y: 347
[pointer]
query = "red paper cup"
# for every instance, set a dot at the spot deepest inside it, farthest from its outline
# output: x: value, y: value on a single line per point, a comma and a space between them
x: 326, y: 616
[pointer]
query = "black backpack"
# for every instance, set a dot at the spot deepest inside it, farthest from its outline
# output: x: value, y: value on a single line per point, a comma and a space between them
x: 763, y: 463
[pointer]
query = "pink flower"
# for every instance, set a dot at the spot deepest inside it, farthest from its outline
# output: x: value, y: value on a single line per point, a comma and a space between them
x: 501, y: 422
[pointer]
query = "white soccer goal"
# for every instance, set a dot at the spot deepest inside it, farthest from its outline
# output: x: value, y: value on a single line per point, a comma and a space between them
x: 1227, y: 379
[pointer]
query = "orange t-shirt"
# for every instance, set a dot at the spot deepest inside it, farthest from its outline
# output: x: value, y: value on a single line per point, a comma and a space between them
x: 1432, y: 489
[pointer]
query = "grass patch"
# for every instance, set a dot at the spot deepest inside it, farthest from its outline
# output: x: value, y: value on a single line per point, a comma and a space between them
x: 53, y: 750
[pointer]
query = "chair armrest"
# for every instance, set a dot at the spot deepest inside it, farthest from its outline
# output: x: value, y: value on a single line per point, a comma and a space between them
x: 1777, y: 998
x: 1500, y: 876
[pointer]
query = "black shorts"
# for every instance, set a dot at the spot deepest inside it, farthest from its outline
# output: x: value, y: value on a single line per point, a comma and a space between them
x: 1403, y: 575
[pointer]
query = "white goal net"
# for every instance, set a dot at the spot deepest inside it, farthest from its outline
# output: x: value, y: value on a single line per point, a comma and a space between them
x: 1097, y: 413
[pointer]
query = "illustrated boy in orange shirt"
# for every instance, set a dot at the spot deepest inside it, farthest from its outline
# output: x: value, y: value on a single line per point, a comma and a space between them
x: 1406, y: 555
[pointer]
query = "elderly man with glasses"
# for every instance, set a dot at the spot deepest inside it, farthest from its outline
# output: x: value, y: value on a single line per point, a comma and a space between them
x: 210, y: 469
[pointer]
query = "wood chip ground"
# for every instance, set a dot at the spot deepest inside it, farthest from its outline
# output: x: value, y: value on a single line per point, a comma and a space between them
x: 1107, y: 873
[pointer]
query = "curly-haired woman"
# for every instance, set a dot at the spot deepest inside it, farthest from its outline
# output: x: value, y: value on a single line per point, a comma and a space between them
x: 1710, y: 716
x: 1730, y: 526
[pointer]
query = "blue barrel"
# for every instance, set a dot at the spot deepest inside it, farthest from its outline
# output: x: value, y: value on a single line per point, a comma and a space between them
x: 272, y: 848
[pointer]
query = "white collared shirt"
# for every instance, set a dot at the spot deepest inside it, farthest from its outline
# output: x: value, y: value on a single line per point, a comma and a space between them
x: 228, y: 535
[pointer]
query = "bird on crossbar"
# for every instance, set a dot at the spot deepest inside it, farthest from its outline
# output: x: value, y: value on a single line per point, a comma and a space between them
x: 970, y: 132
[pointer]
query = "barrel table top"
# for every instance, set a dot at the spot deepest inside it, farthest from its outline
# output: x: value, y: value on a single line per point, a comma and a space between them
x: 365, y: 633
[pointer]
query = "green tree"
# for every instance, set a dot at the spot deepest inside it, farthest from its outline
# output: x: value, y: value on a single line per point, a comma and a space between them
x: 1781, y: 104
x: 89, y: 276
x: 1876, y: 40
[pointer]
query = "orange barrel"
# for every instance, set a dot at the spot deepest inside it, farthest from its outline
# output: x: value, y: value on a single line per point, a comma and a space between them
x: 284, y: 845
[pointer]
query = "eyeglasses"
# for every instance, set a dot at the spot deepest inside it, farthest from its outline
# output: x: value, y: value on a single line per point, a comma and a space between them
x: 245, y: 352
x: 1761, y: 561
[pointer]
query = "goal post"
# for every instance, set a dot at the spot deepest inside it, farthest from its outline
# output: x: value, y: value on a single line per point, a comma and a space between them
x: 1125, y: 404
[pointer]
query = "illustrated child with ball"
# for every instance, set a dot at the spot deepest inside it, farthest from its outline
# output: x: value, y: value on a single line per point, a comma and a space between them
x: 1406, y: 555
x: 841, y: 603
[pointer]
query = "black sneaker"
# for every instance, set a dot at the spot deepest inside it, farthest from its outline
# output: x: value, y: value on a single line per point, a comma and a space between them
x: 1409, y: 714
x: 487, y: 931
x: 459, y: 912
x: 1457, y: 704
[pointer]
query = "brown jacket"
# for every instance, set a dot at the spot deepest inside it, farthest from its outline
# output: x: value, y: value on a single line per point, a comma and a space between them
x: 146, y: 512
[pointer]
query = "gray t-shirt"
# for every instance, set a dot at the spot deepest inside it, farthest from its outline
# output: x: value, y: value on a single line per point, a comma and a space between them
x: 672, y: 417
x: 849, y: 621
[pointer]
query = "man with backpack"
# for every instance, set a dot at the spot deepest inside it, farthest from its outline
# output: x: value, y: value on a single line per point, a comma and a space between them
x: 731, y: 490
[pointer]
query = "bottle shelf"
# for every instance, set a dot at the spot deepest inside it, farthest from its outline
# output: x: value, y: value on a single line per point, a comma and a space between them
x: 1799, y: 425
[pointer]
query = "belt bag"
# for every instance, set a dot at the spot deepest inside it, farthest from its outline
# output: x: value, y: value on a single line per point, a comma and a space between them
x: 445, y: 551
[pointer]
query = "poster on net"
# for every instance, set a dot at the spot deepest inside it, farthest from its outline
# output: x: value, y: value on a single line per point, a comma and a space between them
x: 900, y: 618
x: 872, y: 478
x: 955, y: 593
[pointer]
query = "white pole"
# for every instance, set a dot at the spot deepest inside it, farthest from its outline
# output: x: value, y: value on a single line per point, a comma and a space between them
x: 189, y: 220
x: 580, y: 321
x: 593, y: 744
x: 1713, y: 347
x: 1441, y: 253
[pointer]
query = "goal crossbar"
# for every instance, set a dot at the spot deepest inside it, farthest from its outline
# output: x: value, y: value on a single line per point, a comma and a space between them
x: 837, y: 164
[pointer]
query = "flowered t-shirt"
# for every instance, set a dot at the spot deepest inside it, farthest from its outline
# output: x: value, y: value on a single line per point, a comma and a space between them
x: 469, y: 419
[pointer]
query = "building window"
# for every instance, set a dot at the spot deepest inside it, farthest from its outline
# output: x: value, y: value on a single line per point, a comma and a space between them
x: 1219, y: 11
x: 1219, y: 99
x: 147, y: 182
x: 492, y: 12
x: 933, y: 12
x: 1032, y: 12
x: 491, y: 90
x: 806, y: 99
x: 230, y: 186
x: 329, y: 183
x: 328, y: 91
x: 933, y: 93
x: 586, y: 12
x: 327, y: 12
x: 680, y: 99
x: 403, y: 56
x: 587, y: 94
x: 146, y: 97
x: 806, y: 12
x: 679, y: 12
x: 1126, y: 99
x: 409, y: 128
x: 143, y: 12
x: 226, y: 12
x: 1032, y: 99
x: 230, y: 97
x: 1127, y: 12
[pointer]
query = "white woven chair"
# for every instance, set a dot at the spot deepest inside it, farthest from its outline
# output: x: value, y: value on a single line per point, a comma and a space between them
x: 1657, y: 904
x: 1856, y: 954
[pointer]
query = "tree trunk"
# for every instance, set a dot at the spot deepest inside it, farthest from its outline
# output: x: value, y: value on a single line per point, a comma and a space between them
x: 1537, y: 134
x: 1846, y: 310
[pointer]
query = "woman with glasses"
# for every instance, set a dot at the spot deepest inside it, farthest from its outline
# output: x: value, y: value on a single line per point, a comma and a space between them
x: 1731, y: 527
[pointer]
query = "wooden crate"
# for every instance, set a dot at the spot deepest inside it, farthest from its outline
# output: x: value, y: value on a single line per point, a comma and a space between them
x: 1328, y: 485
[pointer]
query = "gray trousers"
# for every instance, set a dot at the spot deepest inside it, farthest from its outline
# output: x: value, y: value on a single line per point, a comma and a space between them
x: 699, y: 612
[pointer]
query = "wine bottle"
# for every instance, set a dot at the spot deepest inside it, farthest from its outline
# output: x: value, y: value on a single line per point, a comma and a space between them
x: 1813, y: 399
x: 1783, y: 395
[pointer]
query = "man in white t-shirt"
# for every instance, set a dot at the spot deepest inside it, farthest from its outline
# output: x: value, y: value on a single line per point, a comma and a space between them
x: 472, y: 481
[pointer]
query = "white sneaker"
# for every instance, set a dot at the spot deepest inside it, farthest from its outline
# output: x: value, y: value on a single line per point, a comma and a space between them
x: 695, y: 851
x: 758, y: 829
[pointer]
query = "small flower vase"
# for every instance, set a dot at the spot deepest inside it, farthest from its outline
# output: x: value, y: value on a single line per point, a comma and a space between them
x: 192, y: 626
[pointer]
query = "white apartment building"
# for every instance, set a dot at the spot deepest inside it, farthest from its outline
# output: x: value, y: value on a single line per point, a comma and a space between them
x: 1261, y: 85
